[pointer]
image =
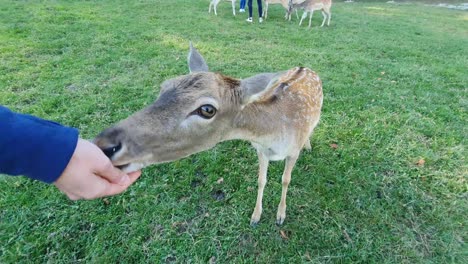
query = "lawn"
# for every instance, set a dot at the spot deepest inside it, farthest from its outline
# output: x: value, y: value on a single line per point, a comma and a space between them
x: 385, y: 182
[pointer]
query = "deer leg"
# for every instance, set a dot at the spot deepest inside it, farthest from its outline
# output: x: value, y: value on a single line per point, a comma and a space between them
x: 233, y: 2
x: 289, y: 13
x: 286, y: 179
x: 310, y: 19
x: 265, y: 12
x: 324, y: 18
x: 262, y: 180
x: 297, y: 15
x: 286, y: 16
x: 329, y: 17
x: 304, y: 15
x: 209, y: 8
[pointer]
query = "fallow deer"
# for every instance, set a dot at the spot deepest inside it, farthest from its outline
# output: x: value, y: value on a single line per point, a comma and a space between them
x: 309, y: 6
x: 214, y: 4
x: 276, y: 112
x: 284, y: 3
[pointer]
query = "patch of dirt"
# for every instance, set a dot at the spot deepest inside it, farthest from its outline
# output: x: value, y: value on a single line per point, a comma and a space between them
x: 461, y: 6
x: 218, y: 195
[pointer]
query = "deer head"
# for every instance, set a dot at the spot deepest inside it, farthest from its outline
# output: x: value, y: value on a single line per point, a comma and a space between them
x: 193, y: 113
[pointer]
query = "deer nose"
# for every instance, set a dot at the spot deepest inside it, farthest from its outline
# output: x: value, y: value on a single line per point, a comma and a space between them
x: 110, y: 151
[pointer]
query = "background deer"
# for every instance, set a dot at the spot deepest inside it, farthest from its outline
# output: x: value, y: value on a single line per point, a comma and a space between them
x: 310, y: 6
x: 276, y: 112
x: 284, y: 3
x: 215, y: 3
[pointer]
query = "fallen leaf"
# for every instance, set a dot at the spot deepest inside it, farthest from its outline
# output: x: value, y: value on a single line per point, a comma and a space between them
x: 250, y: 188
x: 379, y: 79
x: 382, y: 73
x: 420, y: 162
x: 334, y: 146
x: 307, y: 256
x: 220, y: 180
x: 106, y: 201
x: 348, y: 238
x: 283, y: 234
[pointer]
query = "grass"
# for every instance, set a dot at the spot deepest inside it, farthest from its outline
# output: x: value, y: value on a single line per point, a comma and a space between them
x: 395, y: 92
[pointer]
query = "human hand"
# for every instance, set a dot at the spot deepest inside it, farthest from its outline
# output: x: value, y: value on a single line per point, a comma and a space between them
x: 90, y: 174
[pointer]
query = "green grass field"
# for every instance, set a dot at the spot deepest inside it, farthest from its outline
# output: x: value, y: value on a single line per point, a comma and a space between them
x: 395, y: 80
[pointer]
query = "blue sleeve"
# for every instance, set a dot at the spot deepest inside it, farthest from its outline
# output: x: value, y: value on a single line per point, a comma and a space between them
x: 33, y: 147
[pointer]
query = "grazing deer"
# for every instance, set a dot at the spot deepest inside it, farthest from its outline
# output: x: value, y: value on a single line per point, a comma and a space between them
x: 284, y: 3
x: 215, y: 3
x: 310, y: 6
x: 276, y: 112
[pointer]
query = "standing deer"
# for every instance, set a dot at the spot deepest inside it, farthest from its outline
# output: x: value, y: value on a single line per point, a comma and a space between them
x: 310, y: 6
x: 276, y: 112
x: 215, y: 3
x: 284, y: 3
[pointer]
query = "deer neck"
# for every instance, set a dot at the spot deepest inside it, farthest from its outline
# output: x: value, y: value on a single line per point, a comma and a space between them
x: 253, y: 122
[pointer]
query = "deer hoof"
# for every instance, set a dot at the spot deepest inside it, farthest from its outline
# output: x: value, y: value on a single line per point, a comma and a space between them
x: 253, y: 223
x: 280, y: 219
x: 255, y: 217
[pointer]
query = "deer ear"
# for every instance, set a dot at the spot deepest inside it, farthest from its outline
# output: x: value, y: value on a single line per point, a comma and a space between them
x: 196, y: 63
x: 256, y: 87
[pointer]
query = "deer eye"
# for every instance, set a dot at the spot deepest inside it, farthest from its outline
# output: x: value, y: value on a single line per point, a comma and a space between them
x: 206, y: 111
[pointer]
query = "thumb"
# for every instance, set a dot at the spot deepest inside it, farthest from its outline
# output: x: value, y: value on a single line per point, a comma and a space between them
x: 112, y: 174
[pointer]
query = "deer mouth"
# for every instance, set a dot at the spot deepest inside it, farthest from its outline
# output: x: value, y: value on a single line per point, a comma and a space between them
x: 130, y: 167
x: 122, y: 167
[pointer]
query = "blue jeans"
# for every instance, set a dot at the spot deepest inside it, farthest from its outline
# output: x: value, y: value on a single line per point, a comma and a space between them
x: 242, y: 4
x: 259, y: 3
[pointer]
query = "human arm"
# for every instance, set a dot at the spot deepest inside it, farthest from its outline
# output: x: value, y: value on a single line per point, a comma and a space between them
x: 52, y: 153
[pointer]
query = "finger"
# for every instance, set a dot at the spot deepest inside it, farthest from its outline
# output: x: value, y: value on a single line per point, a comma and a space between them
x: 114, y: 189
x: 97, y: 189
x: 72, y: 196
x: 112, y: 174
x: 135, y: 173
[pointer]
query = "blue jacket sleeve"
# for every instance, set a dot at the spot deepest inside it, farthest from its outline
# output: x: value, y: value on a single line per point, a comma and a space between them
x: 33, y: 147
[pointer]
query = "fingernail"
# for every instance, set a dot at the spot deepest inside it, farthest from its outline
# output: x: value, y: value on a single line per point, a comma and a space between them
x: 125, y: 179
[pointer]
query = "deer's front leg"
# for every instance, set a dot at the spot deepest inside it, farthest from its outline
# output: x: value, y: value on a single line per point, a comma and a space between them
x: 233, y: 2
x: 286, y: 179
x: 310, y: 18
x: 304, y: 15
x: 262, y: 180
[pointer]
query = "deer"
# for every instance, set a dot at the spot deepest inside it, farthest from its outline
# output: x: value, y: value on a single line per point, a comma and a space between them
x: 214, y: 4
x: 276, y: 112
x: 309, y: 6
x: 284, y: 3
